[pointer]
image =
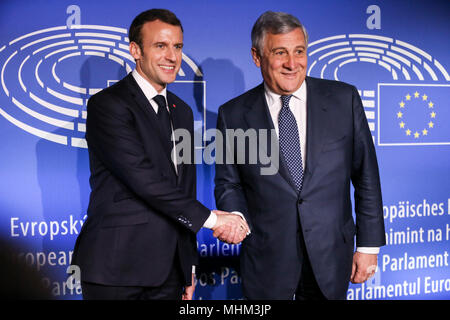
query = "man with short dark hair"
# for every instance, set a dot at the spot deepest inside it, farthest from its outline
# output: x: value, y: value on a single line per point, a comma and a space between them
x: 302, y: 231
x: 139, y: 240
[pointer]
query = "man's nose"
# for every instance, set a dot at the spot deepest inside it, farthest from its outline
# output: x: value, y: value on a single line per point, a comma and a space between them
x: 290, y: 62
x: 171, y: 54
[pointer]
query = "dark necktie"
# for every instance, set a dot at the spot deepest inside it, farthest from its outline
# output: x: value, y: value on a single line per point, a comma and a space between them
x: 164, y: 123
x: 290, y: 142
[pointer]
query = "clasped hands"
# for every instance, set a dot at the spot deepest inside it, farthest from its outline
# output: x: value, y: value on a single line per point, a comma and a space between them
x: 230, y: 228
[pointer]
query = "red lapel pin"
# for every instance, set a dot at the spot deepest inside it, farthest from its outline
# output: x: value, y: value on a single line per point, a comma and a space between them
x: 174, y: 106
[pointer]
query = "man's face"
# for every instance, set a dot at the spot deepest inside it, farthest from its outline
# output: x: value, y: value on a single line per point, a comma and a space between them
x: 283, y: 61
x: 160, y: 57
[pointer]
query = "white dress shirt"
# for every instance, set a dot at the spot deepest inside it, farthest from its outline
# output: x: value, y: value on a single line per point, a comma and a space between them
x: 297, y: 104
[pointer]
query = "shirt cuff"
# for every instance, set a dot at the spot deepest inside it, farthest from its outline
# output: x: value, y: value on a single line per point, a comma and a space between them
x: 239, y: 214
x: 368, y: 250
x: 211, y: 221
x: 193, y: 269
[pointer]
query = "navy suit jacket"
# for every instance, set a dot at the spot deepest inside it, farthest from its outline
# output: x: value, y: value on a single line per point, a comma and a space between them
x: 140, y: 211
x: 339, y: 151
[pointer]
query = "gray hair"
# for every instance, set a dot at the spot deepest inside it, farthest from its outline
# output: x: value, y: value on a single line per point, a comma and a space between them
x: 276, y: 23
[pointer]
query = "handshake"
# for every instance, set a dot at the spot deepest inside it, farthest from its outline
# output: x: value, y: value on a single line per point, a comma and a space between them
x: 230, y: 228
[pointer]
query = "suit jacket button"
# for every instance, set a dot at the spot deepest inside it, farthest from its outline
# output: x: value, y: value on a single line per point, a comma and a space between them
x: 300, y: 201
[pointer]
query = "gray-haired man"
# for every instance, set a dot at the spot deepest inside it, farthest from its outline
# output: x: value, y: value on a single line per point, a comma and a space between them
x: 302, y: 230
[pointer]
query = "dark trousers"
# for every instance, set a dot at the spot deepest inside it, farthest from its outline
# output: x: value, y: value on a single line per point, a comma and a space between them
x: 307, y: 288
x: 171, y: 289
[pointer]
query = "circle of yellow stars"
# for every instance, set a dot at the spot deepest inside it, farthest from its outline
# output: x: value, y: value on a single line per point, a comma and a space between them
x: 401, y: 113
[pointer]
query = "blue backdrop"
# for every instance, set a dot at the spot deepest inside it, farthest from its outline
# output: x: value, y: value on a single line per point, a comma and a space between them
x: 55, y: 54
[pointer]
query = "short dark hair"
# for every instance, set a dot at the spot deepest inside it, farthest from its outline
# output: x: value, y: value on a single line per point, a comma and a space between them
x: 164, y: 15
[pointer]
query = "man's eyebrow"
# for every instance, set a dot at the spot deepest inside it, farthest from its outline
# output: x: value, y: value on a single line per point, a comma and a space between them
x: 278, y: 48
x: 284, y: 48
x: 166, y: 43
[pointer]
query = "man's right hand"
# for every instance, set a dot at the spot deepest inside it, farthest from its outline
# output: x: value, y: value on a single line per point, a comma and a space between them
x: 230, y: 228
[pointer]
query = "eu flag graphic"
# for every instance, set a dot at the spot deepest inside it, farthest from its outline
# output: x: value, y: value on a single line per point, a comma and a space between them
x: 413, y: 114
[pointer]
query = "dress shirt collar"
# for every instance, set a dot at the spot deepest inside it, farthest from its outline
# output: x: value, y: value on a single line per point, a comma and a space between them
x: 149, y: 91
x: 274, y: 98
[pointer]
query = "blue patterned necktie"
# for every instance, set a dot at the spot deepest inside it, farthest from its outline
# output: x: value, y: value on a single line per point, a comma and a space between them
x: 290, y: 142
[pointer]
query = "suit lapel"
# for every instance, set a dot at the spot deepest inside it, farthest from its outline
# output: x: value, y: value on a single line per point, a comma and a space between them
x: 141, y: 100
x: 258, y: 117
x: 316, y: 115
x: 177, y: 123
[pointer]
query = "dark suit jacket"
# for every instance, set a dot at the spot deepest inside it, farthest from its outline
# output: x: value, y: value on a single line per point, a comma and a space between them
x: 339, y: 151
x: 140, y: 210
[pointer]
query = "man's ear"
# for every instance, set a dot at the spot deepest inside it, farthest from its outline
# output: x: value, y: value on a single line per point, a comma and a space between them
x: 135, y: 50
x: 256, y: 57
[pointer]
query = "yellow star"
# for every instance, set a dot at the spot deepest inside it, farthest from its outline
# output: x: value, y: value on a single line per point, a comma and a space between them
x: 431, y: 104
x: 433, y: 114
x: 424, y: 132
x: 416, y: 135
x: 402, y: 104
x: 424, y: 97
x: 416, y: 94
x: 408, y: 97
x: 402, y: 125
x: 408, y: 132
x: 399, y: 114
x: 430, y: 124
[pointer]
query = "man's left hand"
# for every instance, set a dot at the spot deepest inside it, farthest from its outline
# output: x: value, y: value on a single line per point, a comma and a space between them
x: 189, y: 290
x: 364, y: 267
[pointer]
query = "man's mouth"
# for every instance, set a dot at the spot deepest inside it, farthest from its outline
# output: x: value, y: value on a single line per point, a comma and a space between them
x: 290, y: 74
x: 168, y: 68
